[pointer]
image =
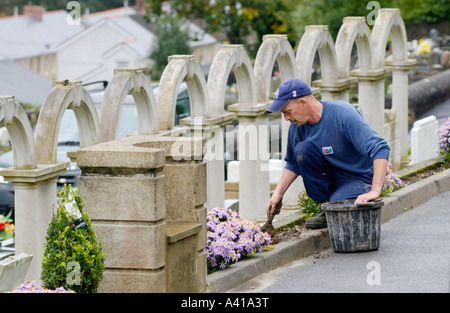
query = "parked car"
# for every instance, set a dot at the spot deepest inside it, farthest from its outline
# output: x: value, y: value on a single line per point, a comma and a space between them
x: 69, y: 140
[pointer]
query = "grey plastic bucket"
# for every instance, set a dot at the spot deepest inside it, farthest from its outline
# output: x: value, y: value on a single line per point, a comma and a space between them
x: 353, y: 228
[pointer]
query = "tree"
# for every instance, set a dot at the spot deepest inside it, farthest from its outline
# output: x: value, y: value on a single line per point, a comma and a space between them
x: 235, y: 19
x: 326, y: 12
x: 172, y: 38
x: 332, y: 12
x: 73, y: 257
x: 429, y: 11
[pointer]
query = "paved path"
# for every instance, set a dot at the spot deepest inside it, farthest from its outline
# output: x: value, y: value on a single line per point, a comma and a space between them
x: 414, y: 256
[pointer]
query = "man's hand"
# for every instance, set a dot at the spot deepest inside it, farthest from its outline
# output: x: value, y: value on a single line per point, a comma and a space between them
x: 273, y: 201
x: 366, y: 197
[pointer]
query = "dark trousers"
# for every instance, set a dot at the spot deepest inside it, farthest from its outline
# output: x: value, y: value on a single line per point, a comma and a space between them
x: 324, y: 182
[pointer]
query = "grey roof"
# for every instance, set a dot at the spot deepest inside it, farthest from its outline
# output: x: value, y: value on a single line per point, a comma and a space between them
x: 125, y: 15
x: 25, y: 85
x: 93, y: 18
x: 25, y: 36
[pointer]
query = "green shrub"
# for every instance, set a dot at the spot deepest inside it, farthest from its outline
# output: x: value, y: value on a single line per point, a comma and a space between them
x: 310, y: 207
x: 73, y: 258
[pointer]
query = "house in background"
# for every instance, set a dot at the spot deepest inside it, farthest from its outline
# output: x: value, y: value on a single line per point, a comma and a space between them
x: 30, y: 39
x: 47, y: 44
x: 108, y: 43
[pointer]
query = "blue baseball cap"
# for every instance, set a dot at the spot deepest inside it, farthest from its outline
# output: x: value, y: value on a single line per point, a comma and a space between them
x: 289, y: 89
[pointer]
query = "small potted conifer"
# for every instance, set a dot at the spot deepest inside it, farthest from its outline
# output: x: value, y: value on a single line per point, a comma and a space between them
x: 73, y: 257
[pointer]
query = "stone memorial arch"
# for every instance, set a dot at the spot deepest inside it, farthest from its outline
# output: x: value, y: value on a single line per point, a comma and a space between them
x: 30, y: 227
x: 255, y: 192
x: 34, y: 185
x: 182, y: 68
x: 15, y: 119
x: 234, y: 58
x: 230, y: 58
x: 390, y: 22
x: 317, y: 38
x: 276, y: 48
x: 125, y: 82
x: 354, y: 30
x: 65, y: 95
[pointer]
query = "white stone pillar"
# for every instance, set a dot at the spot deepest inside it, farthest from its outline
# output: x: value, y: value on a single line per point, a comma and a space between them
x: 35, y: 197
x: 215, y: 173
x: 400, y: 103
x: 371, y: 96
x: 213, y: 130
x: 254, y: 184
x: 290, y: 198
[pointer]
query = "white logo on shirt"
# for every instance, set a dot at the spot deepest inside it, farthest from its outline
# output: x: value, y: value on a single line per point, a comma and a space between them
x: 327, y: 150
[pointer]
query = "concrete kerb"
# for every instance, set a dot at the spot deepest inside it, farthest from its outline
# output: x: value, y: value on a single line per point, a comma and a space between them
x: 315, y: 241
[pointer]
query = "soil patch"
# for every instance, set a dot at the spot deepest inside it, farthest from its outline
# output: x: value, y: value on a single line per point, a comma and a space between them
x: 294, y: 230
x: 289, y: 232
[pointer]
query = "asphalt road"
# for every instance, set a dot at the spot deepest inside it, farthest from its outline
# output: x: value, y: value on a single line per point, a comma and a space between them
x: 441, y: 111
x: 413, y: 257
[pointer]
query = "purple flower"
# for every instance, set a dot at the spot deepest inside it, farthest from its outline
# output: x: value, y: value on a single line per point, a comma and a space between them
x: 444, y: 138
x: 231, y: 238
x: 33, y: 287
x: 392, y: 181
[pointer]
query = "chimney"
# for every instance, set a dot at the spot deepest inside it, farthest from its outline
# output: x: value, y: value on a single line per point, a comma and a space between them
x: 140, y: 6
x: 34, y: 10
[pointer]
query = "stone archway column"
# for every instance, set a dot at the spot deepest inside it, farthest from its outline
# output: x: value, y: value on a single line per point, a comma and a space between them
x: 34, y: 184
x: 371, y: 96
x: 400, y: 103
x: 35, y: 200
x: 213, y: 130
x: 128, y: 81
x: 254, y: 185
x: 338, y: 90
x: 276, y: 48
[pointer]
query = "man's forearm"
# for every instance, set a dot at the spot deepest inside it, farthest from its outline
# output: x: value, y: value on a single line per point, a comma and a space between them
x: 287, y: 177
x: 379, y: 174
x: 285, y: 181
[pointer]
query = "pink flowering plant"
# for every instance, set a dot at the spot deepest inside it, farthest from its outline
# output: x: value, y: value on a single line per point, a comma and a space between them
x: 444, y: 139
x: 231, y: 238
